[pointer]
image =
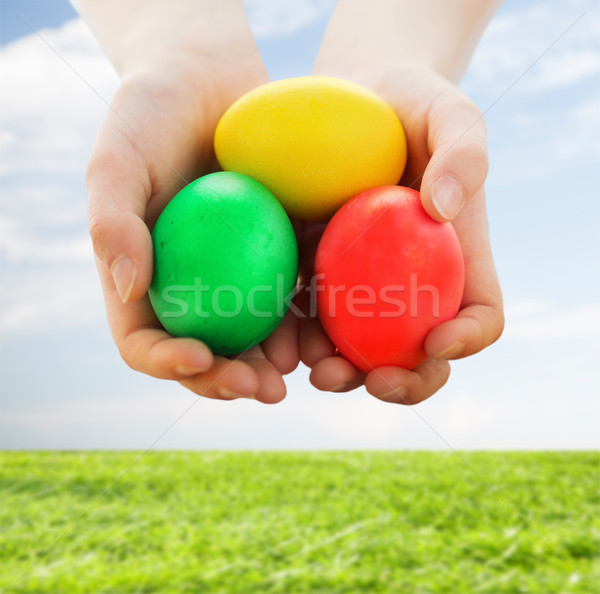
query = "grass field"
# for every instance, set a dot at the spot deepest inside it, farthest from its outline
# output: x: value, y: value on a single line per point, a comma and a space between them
x: 375, y: 522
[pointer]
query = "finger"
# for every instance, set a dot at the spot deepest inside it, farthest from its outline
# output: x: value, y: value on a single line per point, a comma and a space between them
x: 402, y: 386
x: 271, y: 387
x: 314, y: 345
x: 281, y: 347
x: 119, y: 187
x: 147, y: 348
x: 480, y: 321
x: 119, y: 190
x: 336, y: 374
x: 143, y: 344
x: 459, y: 162
x: 474, y: 328
x: 226, y: 380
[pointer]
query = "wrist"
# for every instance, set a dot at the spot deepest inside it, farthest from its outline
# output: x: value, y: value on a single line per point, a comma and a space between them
x: 429, y: 34
x: 387, y: 80
x: 139, y: 33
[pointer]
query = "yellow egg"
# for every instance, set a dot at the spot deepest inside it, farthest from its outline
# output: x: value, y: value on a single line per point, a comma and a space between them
x: 314, y: 141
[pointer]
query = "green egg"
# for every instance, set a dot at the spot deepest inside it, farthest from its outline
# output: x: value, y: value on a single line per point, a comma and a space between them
x: 225, y: 263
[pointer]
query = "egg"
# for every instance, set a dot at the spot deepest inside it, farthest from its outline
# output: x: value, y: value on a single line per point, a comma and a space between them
x: 313, y: 141
x: 387, y: 274
x: 225, y: 262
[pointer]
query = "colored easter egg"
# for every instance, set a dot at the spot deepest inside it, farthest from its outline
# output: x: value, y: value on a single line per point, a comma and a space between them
x: 387, y: 274
x: 313, y: 141
x: 225, y: 262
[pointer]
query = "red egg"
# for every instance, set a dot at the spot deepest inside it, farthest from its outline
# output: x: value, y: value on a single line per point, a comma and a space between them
x: 386, y: 275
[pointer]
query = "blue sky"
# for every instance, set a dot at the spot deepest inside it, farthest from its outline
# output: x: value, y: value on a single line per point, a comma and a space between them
x: 62, y: 381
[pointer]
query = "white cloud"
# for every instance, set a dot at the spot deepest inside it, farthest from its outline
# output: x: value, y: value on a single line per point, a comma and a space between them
x: 535, y: 320
x: 577, y: 140
x: 581, y: 322
x: 274, y: 18
x: 519, y: 309
x: 48, y: 113
x: 588, y: 111
x: 48, y: 120
x: 565, y: 68
x: 19, y: 245
x: 505, y: 397
x: 532, y: 37
x: 532, y: 78
x: 46, y: 71
x: 6, y: 139
x: 48, y: 298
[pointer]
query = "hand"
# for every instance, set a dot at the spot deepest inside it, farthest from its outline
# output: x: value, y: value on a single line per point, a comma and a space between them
x: 156, y: 138
x: 447, y: 161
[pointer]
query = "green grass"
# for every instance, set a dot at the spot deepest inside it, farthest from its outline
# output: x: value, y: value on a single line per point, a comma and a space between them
x: 336, y: 522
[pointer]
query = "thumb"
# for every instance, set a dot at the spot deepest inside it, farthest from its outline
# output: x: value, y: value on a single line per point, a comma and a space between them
x: 118, y: 189
x: 459, y: 162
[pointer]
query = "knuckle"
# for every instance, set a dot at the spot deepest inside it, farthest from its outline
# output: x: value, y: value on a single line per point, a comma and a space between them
x: 478, y: 153
x: 473, y: 152
x: 477, y: 147
x: 98, y: 226
x: 493, y: 325
x: 126, y: 358
x: 470, y: 110
x: 100, y: 162
x: 129, y: 349
x: 499, y: 325
x: 129, y: 360
x: 473, y: 137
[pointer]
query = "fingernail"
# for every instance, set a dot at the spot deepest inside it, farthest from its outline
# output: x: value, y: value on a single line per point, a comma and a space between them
x: 451, y: 351
x: 123, y: 273
x: 448, y: 196
x: 225, y: 393
x: 186, y: 370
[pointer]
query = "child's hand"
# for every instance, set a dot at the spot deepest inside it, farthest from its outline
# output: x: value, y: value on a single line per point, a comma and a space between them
x: 447, y: 160
x: 156, y: 138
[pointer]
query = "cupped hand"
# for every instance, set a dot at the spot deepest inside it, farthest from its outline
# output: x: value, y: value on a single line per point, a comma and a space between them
x: 448, y: 163
x: 156, y: 138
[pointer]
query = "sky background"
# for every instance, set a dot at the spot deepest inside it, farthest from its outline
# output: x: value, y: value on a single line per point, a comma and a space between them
x: 62, y: 382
